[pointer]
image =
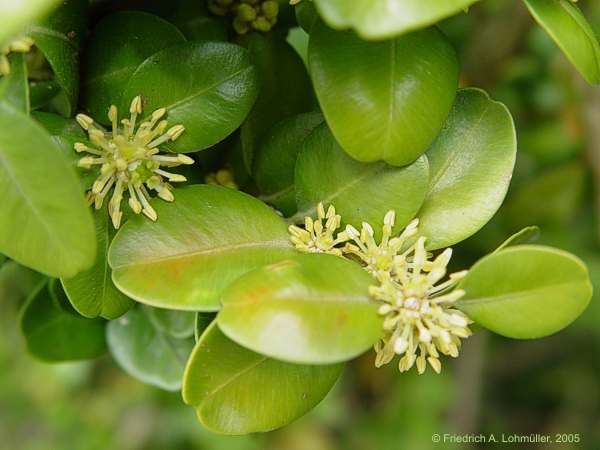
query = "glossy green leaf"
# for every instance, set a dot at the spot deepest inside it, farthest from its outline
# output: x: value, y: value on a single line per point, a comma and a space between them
x: 53, y: 334
x: 59, y: 39
x: 312, y: 309
x: 275, y: 160
x: 567, y: 26
x: 118, y: 45
x: 285, y: 89
x: 16, y: 15
x: 471, y: 164
x: 359, y: 191
x: 145, y: 352
x: 385, y: 100
x: 177, y: 324
x: 14, y: 88
x: 202, y: 242
x: 42, y: 93
x: 92, y: 293
x: 379, y: 19
x: 237, y: 391
x: 209, y: 87
x: 526, y: 291
x: 45, y: 222
x: 527, y: 235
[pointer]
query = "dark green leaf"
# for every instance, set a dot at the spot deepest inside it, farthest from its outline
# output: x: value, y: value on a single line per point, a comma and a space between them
x: 209, y: 87
x: 275, y: 161
x: 203, y: 320
x: 53, y: 334
x: 285, y: 89
x: 92, y: 293
x: 42, y: 93
x: 59, y: 39
x: 118, y: 45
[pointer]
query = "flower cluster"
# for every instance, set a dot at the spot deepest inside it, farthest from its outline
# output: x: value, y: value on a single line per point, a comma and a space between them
x: 18, y: 45
x: 420, y: 320
x: 259, y: 15
x: 129, y: 160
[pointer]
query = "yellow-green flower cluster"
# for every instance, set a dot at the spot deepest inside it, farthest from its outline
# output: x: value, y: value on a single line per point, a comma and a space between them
x: 416, y: 298
x: 258, y: 15
x: 18, y: 45
x: 129, y: 160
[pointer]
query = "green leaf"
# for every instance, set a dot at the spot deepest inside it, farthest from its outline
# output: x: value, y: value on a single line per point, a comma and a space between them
x: 385, y: 100
x: 118, y: 45
x: 205, y: 240
x: 526, y: 236
x: 312, y: 309
x: 236, y: 391
x: 59, y: 39
x: 45, y: 222
x: 92, y: 293
x: 42, y: 93
x: 567, y: 26
x: 14, y: 88
x: 177, y: 324
x: 145, y: 352
x: 471, y: 164
x: 359, y: 191
x: 526, y: 291
x: 379, y: 19
x: 209, y: 87
x: 53, y: 334
x: 275, y: 161
x: 17, y: 14
x: 285, y: 89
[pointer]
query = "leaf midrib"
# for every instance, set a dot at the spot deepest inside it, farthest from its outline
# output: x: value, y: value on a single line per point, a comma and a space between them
x: 220, y: 249
x: 512, y: 296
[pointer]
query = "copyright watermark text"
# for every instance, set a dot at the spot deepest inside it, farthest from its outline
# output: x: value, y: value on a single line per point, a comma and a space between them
x: 506, y: 438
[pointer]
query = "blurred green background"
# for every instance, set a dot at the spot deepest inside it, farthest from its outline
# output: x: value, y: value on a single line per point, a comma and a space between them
x: 498, y: 385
